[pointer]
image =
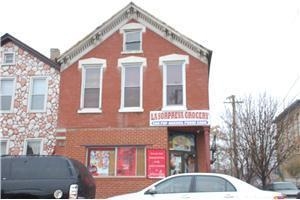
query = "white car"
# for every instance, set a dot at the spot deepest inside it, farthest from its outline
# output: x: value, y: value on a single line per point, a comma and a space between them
x: 208, y: 186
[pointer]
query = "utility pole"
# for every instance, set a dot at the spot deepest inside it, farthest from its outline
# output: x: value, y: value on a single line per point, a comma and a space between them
x: 233, y: 102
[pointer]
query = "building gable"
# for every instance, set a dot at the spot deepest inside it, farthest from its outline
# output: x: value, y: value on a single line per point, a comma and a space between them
x: 133, y: 13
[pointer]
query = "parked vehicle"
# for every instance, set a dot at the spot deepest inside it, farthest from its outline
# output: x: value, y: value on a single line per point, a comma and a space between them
x: 194, y: 186
x: 287, y: 188
x: 45, y: 177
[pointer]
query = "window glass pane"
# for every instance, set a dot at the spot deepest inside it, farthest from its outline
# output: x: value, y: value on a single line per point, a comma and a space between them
x: 174, y: 95
x: 132, y: 76
x: 174, y: 74
x: 37, y: 102
x: 92, y: 78
x: 102, y: 162
x: 8, y: 57
x: 6, y: 87
x: 175, y: 185
x: 91, y: 97
x: 212, y: 184
x: 140, y: 161
x: 132, y: 97
x: 3, y: 147
x: 39, y: 86
x: 33, y: 147
x: 133, y: 41
x: 6, y: 102
x: 42, y: 168
x: 126, y: 161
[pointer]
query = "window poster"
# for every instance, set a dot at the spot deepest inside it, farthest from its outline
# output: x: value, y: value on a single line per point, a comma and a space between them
x: 156, y: 163
x: 99, y: 162
x: 126, y: 163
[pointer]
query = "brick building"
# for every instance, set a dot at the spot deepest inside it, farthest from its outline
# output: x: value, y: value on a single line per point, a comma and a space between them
x: 134, y: 103
x: 29, y: 99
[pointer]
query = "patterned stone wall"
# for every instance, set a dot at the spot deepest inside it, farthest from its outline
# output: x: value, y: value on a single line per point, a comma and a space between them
x: 22, y: 124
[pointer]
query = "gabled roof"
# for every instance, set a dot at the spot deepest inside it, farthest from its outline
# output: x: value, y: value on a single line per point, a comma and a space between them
x: 131, y: 11
x: 8, y: 38
x: 289, y: 109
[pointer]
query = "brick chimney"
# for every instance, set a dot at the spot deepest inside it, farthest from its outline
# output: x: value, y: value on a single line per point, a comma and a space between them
x: 54, y: 53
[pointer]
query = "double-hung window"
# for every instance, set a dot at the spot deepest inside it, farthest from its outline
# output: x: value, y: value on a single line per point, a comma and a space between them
x: 91, y: 85
x: 174, y: 81
x: 132, y: 84
x: 38, y: 94
x: 132, y: 37
x: 6, y: 94
x: 8, y: 58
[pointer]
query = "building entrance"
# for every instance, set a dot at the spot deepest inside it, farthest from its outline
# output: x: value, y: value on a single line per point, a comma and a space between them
x: 182, y: 153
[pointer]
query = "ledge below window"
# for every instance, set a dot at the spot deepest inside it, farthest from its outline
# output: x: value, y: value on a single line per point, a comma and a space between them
x: 131, y: 110
x: 174, y: 108
x: 132, y: 52
x: 89, y: 110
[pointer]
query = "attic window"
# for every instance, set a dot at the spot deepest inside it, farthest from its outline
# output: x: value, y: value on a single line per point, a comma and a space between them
x: 8, y: 58
x: 132, y: 38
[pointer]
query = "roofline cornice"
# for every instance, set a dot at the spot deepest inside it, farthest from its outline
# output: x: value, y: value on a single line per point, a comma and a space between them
x: 131, y: 11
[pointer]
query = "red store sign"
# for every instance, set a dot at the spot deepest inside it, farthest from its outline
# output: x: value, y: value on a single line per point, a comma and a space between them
x: 156, y: 163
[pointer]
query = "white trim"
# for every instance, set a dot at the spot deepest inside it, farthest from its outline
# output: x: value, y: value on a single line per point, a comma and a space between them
x: 123, y: 63
x: 12, y: 96
x: 84, y: 65
x: 164, y: 61
x: 60, y: 137
x: 132, y: 27
x: 7, y: 141
x: 3, y: 63
x: 33, y: 140
x: 46, y: 78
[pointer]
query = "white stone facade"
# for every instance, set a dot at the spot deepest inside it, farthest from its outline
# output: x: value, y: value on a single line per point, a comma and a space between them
x: 21, y: 124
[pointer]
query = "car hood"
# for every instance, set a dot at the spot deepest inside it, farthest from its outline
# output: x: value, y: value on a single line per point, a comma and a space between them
x: 135, y: 195
x: 289, y: 192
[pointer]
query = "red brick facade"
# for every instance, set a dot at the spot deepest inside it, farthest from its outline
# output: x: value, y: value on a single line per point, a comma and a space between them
x: 114, y: 128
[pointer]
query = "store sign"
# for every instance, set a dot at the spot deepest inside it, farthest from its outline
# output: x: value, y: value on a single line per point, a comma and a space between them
x: 156, y: 163
x: 180, y: 118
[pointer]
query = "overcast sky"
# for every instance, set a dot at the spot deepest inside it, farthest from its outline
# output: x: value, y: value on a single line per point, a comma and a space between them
x: 255, y: 43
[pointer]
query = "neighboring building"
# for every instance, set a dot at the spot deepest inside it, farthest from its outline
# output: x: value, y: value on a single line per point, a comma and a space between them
x: 289, y: 121
x: 29, y: 89
x: 134, y: 104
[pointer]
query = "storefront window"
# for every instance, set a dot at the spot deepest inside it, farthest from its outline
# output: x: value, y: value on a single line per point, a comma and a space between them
x: 117, y: 161
x: 182, y: 153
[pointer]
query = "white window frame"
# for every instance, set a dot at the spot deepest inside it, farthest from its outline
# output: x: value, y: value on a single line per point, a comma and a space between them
x: 4, y: 59
x: 132, y: 27
x: 7, y: 146
x: 31, y: 93
x: 13, y: 94
x: 128, y: 62
x: 174, y: 59
x: 83, y: 64
x: 33, y: 140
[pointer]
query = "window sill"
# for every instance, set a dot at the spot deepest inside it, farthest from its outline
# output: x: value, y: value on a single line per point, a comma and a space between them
x: 131, y: 110
x: 173, y: 108
x: 6, y: 112
x: 7, y: 64
x: 89, y: 110
x: 36, y: 111
x: 132, y: 52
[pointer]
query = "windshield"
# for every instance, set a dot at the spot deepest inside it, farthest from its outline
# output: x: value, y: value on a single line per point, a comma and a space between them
x: 285, y: 186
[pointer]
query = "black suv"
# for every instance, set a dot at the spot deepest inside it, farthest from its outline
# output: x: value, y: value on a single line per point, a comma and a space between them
x: 45, y: 177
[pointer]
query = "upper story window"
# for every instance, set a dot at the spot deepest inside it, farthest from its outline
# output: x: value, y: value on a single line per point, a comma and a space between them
x: 132, y: 84
x: 174, y: 81
x: 132, y: 37
x: 6, y: 94
x: 38, y: 94
x: 8, y: 58
x: 91, y: 85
